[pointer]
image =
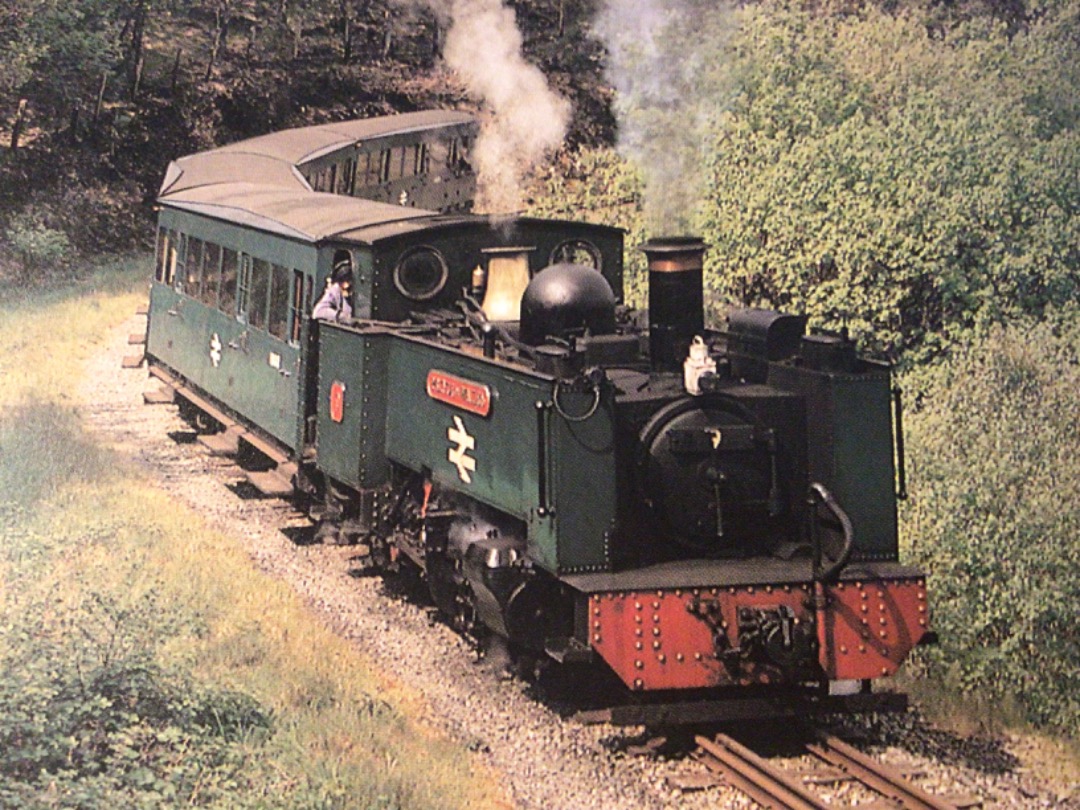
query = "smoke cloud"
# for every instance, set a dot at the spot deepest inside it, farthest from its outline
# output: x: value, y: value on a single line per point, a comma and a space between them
x: 666, y: 63
x: 525, y: 120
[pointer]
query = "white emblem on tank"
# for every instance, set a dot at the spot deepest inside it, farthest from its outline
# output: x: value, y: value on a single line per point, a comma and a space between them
x: 458, y: 455
x: 215, y: 350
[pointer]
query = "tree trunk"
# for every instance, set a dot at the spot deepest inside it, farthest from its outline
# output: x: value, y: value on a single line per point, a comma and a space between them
x: 100, y: 100
x: 346, y: 31
x: 176, y: 71
x: 136, y: 55
x: 20, y: 120
x: 221, y: 24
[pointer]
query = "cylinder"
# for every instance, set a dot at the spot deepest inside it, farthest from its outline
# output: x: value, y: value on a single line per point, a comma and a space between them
x: 676, y: 298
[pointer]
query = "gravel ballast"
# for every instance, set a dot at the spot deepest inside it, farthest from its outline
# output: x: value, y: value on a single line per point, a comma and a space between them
x: 547, y: 762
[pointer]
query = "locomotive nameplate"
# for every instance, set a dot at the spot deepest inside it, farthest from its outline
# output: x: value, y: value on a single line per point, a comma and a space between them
x: 464, y: 394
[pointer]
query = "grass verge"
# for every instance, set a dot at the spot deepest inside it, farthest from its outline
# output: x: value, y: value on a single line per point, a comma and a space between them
x: 144, y: 662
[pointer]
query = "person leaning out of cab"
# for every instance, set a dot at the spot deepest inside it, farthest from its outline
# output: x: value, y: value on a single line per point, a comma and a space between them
x: 335, y: 304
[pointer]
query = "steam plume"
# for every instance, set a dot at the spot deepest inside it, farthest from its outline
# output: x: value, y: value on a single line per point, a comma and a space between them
x: 525, y: 120
x: 666, y: 62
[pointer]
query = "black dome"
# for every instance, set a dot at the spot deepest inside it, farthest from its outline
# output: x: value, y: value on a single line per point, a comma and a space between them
x: 565, y: 300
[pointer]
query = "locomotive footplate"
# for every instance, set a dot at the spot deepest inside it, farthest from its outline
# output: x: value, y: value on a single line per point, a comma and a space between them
x: 768, y: 629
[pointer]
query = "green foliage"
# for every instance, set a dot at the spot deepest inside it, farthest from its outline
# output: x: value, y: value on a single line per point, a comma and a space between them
x: 907, y: 186
x: 59, y: 50
x: 18, y: 48
x: 995, y: 515
x: 91, y: 719
x: 39, y: 247
x: 915, y: 177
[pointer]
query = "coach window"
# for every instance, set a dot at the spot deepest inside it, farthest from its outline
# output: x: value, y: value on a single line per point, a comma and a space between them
x: 397, y: 163
x: 162, y: 254
x: 230, y: 269
x: 369, y: 168
x: 297, y: 305
x: 385, y: 159
x: 420, y: 159
x: 177, y: 261
x: 193, y: 267
x: 211, y: 273
x: 260, y: 292
x: 438, y: 155
x: 455, y: 160
x: 347, y: 177
x: 279, y: 302
x: 243, y: 289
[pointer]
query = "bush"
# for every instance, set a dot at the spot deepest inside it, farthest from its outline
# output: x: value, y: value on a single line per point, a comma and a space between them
x: 995, y: 515
x: 100, y: 219
x: 39, y: 247
x: 91, y: 715
x: 90, y: 718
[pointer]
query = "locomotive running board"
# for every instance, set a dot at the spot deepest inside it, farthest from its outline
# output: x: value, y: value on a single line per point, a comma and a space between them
x: 740, y: 709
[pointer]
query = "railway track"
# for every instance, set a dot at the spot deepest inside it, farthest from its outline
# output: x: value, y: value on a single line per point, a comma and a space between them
x: 778, y: 789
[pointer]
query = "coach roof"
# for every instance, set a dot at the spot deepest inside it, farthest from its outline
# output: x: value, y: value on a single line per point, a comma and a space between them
x: 257, y: 182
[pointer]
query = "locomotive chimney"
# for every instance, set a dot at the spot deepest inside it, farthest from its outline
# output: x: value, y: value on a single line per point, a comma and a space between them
x: 676, y: 298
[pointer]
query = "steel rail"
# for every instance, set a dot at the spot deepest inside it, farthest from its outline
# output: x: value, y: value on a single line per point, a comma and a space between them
x: 754, y: 776
x: 875, y: 775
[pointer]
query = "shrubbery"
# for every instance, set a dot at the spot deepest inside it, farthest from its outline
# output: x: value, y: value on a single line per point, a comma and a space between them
x: 40, y: 247
x: 90, y: 715
x: 143, y: 661
x: 91, y: 719
x: 995, y: 516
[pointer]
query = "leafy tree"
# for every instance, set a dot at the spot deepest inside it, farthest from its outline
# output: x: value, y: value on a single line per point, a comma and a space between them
x: 19, y: 48
x: 905, y: 186
x: 71, y: 45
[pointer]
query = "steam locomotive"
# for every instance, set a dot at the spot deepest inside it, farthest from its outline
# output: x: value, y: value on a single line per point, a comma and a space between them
x: 704, y: 514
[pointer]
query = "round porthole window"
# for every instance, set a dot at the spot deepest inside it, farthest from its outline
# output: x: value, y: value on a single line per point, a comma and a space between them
x: 576, y: 251
x: 421, y: 273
